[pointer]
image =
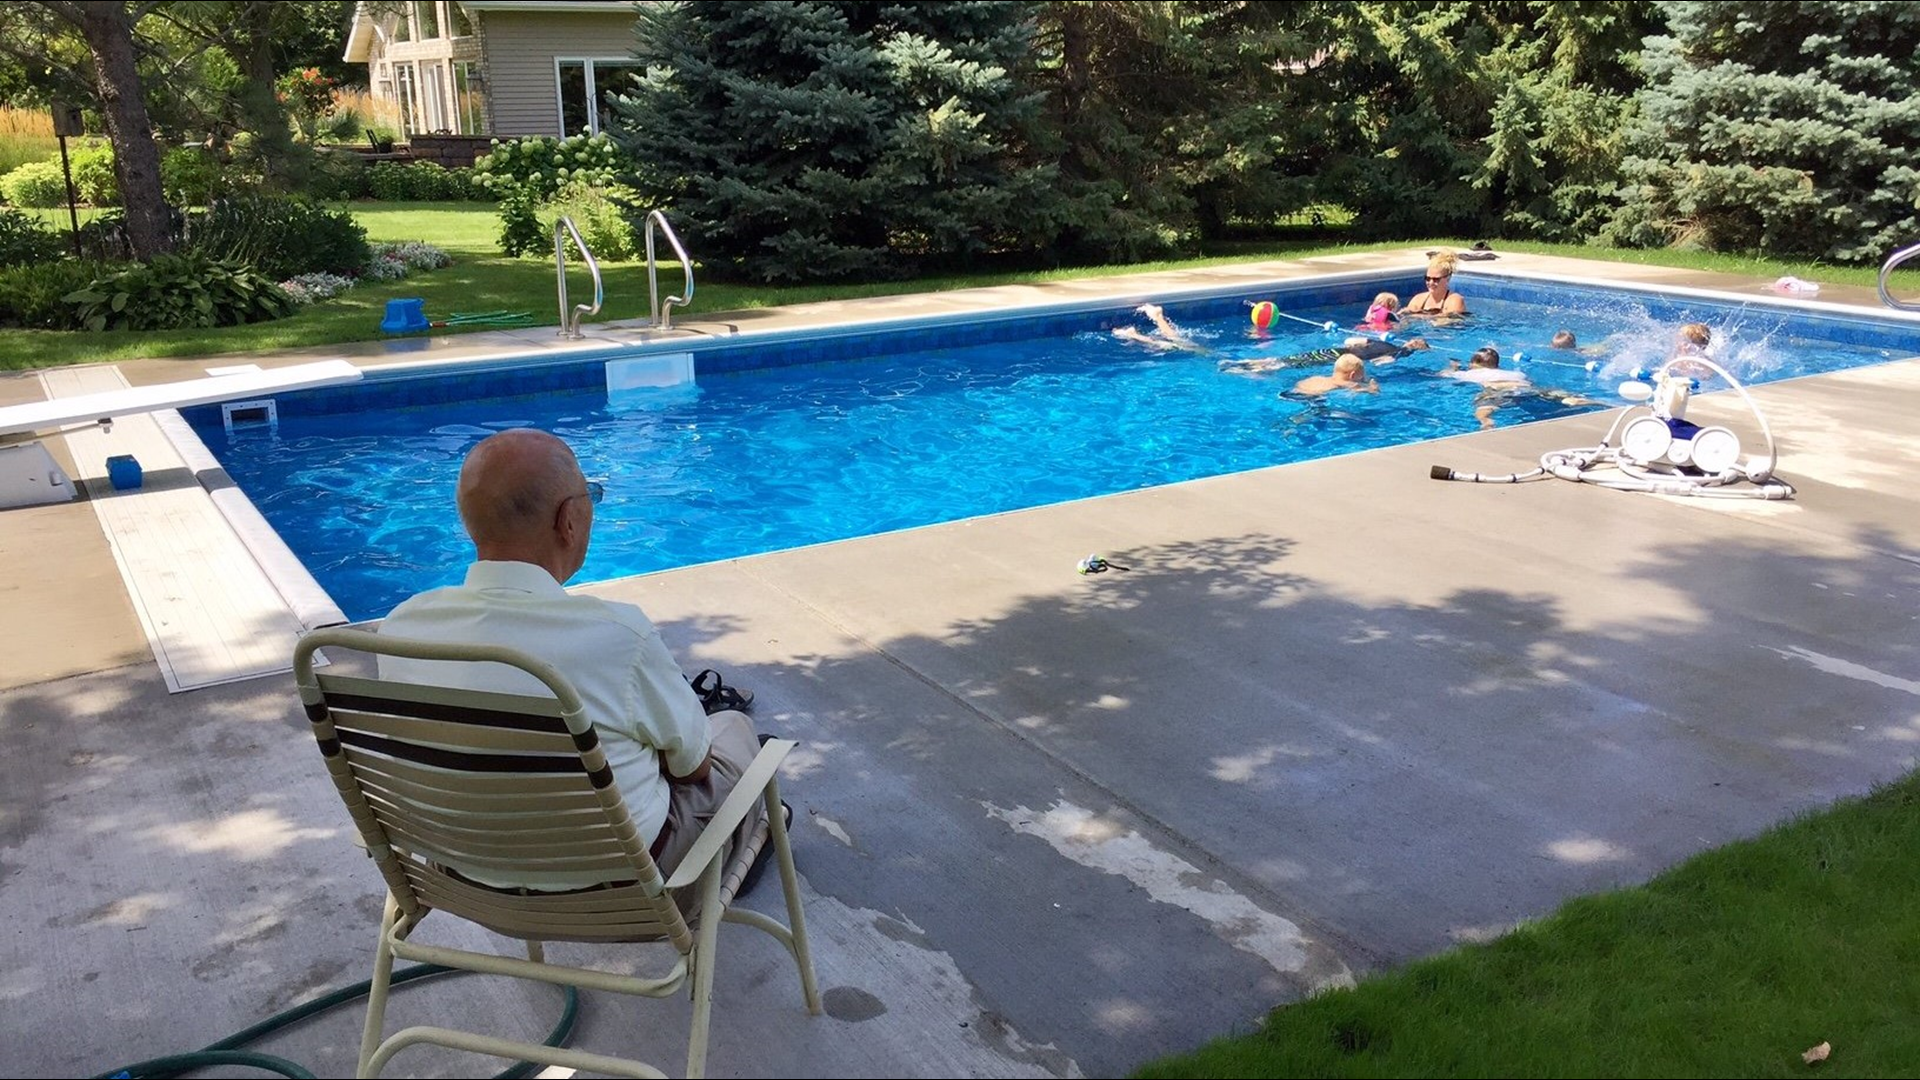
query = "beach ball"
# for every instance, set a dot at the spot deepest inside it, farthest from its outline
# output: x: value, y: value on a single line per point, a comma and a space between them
x: 1263, y: 314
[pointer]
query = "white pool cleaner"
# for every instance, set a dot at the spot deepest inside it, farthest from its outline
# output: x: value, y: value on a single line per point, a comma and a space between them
x: 1659, y: 450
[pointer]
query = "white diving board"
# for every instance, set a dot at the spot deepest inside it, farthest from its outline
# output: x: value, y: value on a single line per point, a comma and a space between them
x: 109, y: 404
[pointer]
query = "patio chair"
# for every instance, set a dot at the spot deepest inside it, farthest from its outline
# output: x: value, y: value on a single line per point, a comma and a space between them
x: 513, y: 787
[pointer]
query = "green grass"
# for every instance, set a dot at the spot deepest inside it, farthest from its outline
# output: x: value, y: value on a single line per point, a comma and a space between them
x: 1731, y: 964
x: 483, y: 280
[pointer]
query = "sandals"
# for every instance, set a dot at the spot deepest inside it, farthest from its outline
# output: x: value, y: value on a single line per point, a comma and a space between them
x: 716, y: 696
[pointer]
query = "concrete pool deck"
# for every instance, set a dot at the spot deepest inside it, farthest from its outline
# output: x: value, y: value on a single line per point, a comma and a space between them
x: 1336, y: 716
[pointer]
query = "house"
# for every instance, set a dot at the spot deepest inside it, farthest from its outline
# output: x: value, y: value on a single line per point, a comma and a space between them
x: 494, y: 67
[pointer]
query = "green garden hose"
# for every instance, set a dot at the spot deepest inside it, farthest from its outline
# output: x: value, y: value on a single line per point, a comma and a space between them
x: 485, y: 318
x: 226, y: 1052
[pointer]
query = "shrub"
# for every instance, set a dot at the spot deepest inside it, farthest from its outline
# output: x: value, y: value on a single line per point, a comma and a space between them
x: 25, y: 240
x: 313, y: 288
x: 600, y: 215
x: 520, y: 231
x: 93, y: 175
x: 37, y: 183
x: 338, y: 176
x: 421, y: 181
x: 191, y: 176
x: 281, y: 236
x: 34, y: 297
x: 175, y: 291
x: 380, y: 268
x: 414, y: 254
x: 545, y: 165
x: 308, y: 96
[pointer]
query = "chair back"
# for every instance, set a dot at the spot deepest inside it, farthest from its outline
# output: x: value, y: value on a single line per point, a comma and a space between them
x: 457, y: 791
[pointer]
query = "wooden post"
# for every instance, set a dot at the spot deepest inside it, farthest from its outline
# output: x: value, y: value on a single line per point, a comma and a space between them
x: 66, y: 121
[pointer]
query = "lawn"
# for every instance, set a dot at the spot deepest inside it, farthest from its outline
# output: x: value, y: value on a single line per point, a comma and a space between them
x: 481, y: 279
x: 1732, y: 964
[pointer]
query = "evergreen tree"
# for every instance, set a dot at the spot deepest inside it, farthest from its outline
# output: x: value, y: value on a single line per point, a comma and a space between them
x: 1488, y: 118
x: 1786, y: 128
x: 837, y: 140
x: 1183, y: 121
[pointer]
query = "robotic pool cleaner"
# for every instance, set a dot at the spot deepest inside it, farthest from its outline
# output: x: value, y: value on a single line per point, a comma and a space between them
x: 1659, y: 449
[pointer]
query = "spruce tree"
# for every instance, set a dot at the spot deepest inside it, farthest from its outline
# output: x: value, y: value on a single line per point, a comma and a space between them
x: 1786, y: 128
x: 840, y: 140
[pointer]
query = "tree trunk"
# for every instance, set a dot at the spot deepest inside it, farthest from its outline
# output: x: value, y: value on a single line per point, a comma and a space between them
x: 109, y: 34
x: 260, y: 111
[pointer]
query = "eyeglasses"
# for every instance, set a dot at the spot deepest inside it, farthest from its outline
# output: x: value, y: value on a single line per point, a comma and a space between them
x: 1442, y: 277
x: 594, y: 493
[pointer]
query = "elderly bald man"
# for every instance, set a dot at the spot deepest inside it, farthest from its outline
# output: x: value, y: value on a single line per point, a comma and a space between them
x: 529, y: 510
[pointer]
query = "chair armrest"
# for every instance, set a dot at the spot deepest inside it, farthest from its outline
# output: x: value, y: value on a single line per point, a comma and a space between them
x: 713, y: 839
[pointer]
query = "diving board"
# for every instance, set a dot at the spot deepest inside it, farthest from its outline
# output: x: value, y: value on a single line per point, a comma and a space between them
x: 110, y: 404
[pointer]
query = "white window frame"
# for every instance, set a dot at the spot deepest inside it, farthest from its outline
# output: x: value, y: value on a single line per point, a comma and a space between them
x: 468, y: 106
x: 593, y: 91
x: 433, y: 80
x: 406, y: 87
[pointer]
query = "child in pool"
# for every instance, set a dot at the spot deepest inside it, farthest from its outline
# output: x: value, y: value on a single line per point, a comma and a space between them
x: 1381, y: 316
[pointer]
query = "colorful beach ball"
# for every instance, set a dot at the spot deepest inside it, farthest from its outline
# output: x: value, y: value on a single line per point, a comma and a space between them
x: 1263, y: 314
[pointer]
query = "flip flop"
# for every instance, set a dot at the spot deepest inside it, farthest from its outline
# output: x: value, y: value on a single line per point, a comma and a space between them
x: 716, y: 696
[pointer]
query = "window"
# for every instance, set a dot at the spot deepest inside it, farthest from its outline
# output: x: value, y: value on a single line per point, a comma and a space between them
x: 457, y: 21
x: 585, y: 81
x: 426, y: 20
x: 433, y: 95
x: 409, y: 99
x: 469, y: 102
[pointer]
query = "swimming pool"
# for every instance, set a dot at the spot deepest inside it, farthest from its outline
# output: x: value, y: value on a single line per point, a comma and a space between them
x: 802, y: 440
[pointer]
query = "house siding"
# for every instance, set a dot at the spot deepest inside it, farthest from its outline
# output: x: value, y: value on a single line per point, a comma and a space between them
x: 520, y: 50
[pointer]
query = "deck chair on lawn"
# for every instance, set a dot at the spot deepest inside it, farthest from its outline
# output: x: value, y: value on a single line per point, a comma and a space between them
x: 506, y: 785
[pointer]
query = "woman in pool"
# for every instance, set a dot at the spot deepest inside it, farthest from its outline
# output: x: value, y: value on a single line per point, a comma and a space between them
x: 1439, y: 300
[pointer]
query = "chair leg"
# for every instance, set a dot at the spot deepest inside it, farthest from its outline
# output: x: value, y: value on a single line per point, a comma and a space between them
x: 377, y: 993
x: 536, y: 951
x: 706, y: 938
x: 796, y: 918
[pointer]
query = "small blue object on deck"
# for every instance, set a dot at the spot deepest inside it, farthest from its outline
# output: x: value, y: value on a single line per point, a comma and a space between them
x: 405, y: 316
x: 123, y: 472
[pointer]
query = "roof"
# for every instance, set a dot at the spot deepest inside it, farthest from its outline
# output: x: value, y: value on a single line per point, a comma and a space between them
x: 360, y: 37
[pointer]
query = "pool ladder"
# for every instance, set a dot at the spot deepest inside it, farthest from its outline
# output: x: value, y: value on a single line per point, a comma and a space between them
x: 1886, y: 271
x: 570, y: 321
x: 662, y: 311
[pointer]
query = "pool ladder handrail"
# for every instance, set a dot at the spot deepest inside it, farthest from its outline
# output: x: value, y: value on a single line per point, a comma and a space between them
x: 663, y: 312
x: 1886, y: 271
x: 570, y: 324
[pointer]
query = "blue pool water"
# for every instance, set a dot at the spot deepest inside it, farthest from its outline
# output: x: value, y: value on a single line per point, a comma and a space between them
x: 782, y: 446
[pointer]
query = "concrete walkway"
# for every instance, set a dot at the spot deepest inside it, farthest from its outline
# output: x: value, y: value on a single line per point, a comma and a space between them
x: 1337, y: 716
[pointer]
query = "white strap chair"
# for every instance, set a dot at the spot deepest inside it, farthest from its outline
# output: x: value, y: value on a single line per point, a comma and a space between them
x: 507, y: 787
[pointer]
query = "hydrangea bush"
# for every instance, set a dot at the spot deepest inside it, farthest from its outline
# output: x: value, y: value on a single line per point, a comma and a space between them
x: 541, y: 165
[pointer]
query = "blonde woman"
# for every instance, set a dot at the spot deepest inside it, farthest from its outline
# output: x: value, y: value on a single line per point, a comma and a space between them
x: 1439, y: 299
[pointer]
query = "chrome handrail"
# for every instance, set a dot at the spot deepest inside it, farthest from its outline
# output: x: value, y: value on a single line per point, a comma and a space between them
x: 570, y: 325
x: 663, y: 313
x: 1886, y: 270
